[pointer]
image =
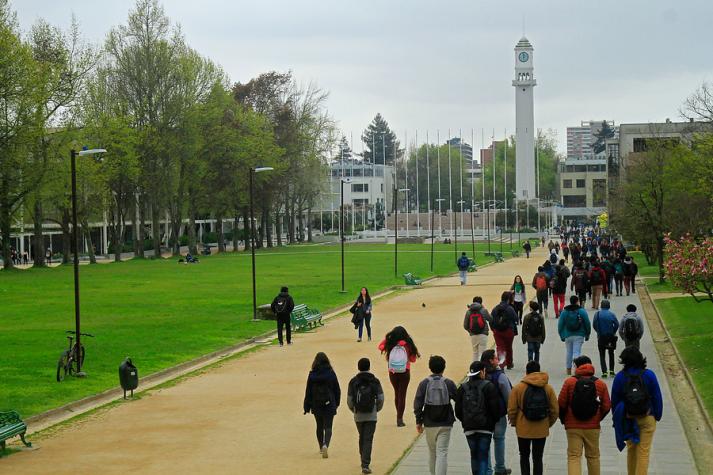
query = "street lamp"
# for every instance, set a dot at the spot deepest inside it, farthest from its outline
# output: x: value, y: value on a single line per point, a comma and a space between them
x: 75, y: 242
x: 396, y: 229
x: 342, y: 181
x: 438, y: 200
x: 461, y: 227
x: 253, y: 171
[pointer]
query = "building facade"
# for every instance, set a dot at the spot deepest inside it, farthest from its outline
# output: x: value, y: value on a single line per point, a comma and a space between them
x: 583, y: 187
x: 524, y: 84
x: 581, y: 140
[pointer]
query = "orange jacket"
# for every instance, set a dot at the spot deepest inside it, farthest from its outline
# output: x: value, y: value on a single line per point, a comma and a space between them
x: 525, y: 428
x: 565, y: 398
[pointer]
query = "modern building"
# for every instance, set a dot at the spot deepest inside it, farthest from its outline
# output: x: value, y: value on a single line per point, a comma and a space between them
x: 524, y: 84
x: 583, y: 187
x: 581, y: 140
x: 466, y: 148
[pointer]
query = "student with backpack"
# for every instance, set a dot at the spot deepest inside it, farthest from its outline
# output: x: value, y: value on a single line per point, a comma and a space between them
x: 631, y: 328
x: 476, y: 323
x: 528, y: 248
x: 638, y: 406
x: 463, y: 263
x: 478, y: 409
x: 606, y: 324
x: 598, y: 282
x: 400, y: 352
x: 619, y: 277
x: 519, y: 297
x: 574, y: 329
x: 559, y: 286
x: 362, y: 313
x: 504, y: 329
x: 580, y: 282
x: 541, y: 284
x: 532, y: 410
x: 608, y: 269
x: 628, y: 273
x: 496, y: 375
x: 322, y: 397
x: 583, y: 403
x: 365, y: 398
x: 434, y: 414
x: 282, y: 306
x: 565, y: 251
x: 533, y: 332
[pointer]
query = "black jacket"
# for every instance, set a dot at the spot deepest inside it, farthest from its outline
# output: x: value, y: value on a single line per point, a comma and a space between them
x: 323, y: 375
x: 287, y: 310
x: 492, y: 405
x: 510, y: 316
x: 425, y: 413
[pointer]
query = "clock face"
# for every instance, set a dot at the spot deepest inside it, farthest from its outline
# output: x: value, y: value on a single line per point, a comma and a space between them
x: 523, y: 57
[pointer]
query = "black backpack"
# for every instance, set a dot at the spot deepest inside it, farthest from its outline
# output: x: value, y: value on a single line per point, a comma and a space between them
x: 280, y: 304
x: 500, y: 318
x: 535, y: 326
x: 596, y: 278
x: 536, y: 405
x: 631, y: 329
x: 321, y: 395
x: 474, y: 411
x: 585, y: 402
x: 637, y: 400
x: 365, y: 395
x: 574, y: 321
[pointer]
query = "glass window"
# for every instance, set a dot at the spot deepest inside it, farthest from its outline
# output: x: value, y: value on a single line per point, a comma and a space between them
x: 566, y: 183
x: 599, y: 192
x: 360, y: 187
x: 574, y: 201
x: 581, y: 183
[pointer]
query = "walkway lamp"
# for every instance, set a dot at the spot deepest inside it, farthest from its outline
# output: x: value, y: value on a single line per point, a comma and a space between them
x: 253, y: 171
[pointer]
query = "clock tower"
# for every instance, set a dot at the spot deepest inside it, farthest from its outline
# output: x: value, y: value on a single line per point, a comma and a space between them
x: 524, y: 83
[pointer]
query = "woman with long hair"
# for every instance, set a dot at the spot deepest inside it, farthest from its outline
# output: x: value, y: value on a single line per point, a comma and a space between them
x: 519, y: 296
x: 363, y: 312
x: 322, y: 397
x: 400, y: 351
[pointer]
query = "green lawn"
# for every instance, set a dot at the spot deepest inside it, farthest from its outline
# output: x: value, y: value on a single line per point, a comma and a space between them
x: 691, y: 327
x: 161, y: 313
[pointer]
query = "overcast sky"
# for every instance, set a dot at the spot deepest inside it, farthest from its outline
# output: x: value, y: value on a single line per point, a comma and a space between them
x: 428, y: 65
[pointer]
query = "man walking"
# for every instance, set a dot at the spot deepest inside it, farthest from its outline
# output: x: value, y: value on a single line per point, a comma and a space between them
x: 434, y: 414
x: 528, y: 248
x: 365, y: 398
x: 559, y: 286
x: 504, y: 328
x: 598, y: 281
x: 541, y: 284
x: 282, y: 306
x: 463, y: 264
x: 574, y: 329
x: 476, y: 323
x: 606, y: 324
x: 579, y: 282
x: 632, y: 327
x: 497, y: 376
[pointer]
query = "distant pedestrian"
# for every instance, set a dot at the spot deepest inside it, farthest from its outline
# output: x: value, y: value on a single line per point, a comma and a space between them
x: 532, y: 410
x: 365, y: 398
x: 497, y: 376
x: 463, y: 265
x: 528, y: 248
x: 400, y: 352
x: 504, y: 329
x: 533, y: 332
x: 619, y: 277
x: 598, y: 282
x: 362, y: 313
x: 579, y: 282
x: 476, y: 322
x: 583, y: 403
x: 322, y: 397
x: 25, y: 258
x: 478, y: 408
x: 628, y: 274
x: 519, y: 297
x: 434, y: 414
x: 631, y: 328
x: 606, y: 324
x: 558, y: 284
x: 540, y: 282
x: 634, y: 272
x: 574, y: 329
x: 48, y: 255
x: 282, y: 307
x: 638, y: 406
x: 565, y: 251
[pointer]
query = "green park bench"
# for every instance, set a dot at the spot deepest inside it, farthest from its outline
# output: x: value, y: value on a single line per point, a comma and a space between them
x: 10, y: 426
x: 412, y: 279
x: 471, y: 266
x: 515, y: 253
x: 303, y: 317
x: 499, y: 257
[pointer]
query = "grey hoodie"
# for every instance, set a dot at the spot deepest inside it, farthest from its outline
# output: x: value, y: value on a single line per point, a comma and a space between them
x: 622, y: 324
x: 351, y: 395
x: 476, y: 307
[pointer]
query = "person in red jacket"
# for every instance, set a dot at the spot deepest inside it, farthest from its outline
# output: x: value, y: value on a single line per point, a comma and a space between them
x: 584, y: 402
x: 400, y: 351
x: 598, y: 281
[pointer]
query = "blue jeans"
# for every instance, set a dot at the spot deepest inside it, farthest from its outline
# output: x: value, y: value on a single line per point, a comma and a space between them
x: 367, y: 320
x: 533, y: 351
x: 574, y: 349
x: 479, y: 444
x: 499, y: 446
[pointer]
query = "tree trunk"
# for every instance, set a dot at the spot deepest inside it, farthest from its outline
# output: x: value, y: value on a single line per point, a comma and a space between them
x: 66, y: 237
x: 301, y: 224
x: 5, y: 229
x: 236, y: 234
x: 38, y: 240
x: 261, y: 231
x: 268, y: 225
x: 219, y: 231
x: 309, y: 224
x: 290, y: 209
x: 139, y: 245
x: 659, y: 257
x: 247, y: 229
x: 156, y: 228
x: 176, y: 225
x: 87, y: 233
x: 192, y: 248
x: 278, y: 227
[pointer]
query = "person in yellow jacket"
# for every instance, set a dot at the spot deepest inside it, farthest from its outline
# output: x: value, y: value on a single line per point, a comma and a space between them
x: 532, y: 410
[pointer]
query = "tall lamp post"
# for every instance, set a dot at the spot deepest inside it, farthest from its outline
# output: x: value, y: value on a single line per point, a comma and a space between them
x: 461, y: 227
x: 440, y: 231
x: 253, y: 171
x: 396, y: 229
x: 341, y: 223
x: 75, y: 242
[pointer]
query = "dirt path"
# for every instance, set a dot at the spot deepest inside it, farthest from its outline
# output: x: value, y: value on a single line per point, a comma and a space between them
x: 245, y: 416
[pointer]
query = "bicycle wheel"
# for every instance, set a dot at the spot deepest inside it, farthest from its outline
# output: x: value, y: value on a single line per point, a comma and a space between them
x: 62, y: 366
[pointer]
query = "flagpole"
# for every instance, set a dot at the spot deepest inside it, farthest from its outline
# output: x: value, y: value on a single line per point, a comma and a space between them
x: 418, y: 201
x: 438, y: 162
x: 450, y: 183
x: 460, y: 171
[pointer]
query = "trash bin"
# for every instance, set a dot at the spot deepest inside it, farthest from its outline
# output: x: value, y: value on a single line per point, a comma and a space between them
x: 128, y: 376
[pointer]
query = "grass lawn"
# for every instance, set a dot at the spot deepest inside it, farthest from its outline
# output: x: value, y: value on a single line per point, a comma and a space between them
x: 691, y: 327
x: 161, y: 313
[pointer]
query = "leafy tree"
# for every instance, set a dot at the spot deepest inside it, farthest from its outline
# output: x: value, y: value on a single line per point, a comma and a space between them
x: 602, y: 134
x: 688, y: 265
x: 377, y: 137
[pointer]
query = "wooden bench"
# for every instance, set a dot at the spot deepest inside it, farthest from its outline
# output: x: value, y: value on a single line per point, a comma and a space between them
x: 10, y: 426
x: 303, y: 317
x: 411, y: 279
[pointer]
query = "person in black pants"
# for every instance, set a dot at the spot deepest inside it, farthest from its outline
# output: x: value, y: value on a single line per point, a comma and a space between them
x: 365, y: 397
x: 322, y: 397
x: 282, y: 307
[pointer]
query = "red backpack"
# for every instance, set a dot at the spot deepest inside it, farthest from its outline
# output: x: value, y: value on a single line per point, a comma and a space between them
x: 540, y: 283
x: 476, y: 323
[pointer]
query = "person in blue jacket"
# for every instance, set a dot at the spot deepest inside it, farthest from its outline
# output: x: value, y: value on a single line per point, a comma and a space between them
x: 463, y: 264
x: 322, y: 396
x: 638, y: 406
x: 574, y: 329
x: 606, y: 324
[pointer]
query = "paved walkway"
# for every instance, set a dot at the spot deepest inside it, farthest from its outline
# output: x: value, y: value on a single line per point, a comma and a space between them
x: 671, y: 454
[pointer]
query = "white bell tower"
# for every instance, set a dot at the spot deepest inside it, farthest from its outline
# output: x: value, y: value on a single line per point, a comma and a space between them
x: 524, y: 83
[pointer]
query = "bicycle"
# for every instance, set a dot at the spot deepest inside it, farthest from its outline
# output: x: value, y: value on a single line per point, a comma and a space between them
x: 69, y: 356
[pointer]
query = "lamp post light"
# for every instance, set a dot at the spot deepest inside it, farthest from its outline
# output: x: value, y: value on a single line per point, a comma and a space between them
x: 396, y: 229
x: 75, y: 243
x: 253, y: 171
x: 341, y: 223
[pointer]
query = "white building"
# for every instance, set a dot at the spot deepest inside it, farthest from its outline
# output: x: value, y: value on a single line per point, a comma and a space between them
x: 580, y: 140
x: 524, y: 83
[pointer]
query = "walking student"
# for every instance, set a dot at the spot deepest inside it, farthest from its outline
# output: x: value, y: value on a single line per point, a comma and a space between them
x: 497, y: 376
x: 528, y: 248
x: 519, y: 297
x: 476, y: 323
x: 638, y: 406
x: 559, y: 286
x: 282, y: 307
x: 533, y: 332
x: 629, y: 271
x: 606, y: 324
x: 434, y: 414
x: 532, y: 410
x: 362, y: 313
x: 400, y: 352
x: 463, y: 264
x: 322, y: 399
x: 478, y: 408
x: 598, y: 282
x: 631, y: 329
x: 583, y: 403
x: 504, y: 329
x: 540, y: 283
x: 574, y: 329
x: 365, y: 398
x: 580, y: 282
